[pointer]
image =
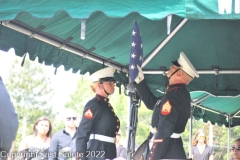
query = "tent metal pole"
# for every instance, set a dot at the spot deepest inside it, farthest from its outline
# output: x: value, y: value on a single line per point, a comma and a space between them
x: 190, y: 137
x: 236, y: 116
x: 201, y: 99
x: 127, y: 128
x: 208, y: 109
x: 236, y: 113
x: 60, y: 45
x: 229, y: 135
x: 229, y: 71
x: 164, y: 42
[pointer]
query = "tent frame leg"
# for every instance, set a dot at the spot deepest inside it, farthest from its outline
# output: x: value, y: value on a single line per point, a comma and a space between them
x: 229, y: 136
x: 190, y: 138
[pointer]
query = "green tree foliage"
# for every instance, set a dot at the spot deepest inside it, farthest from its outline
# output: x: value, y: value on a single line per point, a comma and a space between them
x: 31, y: 94
x: 81, y: 95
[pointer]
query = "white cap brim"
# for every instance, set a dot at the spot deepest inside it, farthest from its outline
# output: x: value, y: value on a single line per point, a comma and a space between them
x: 103, y: 73
x: 187, y: 65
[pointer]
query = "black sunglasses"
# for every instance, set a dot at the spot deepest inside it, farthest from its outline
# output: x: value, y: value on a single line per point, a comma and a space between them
x: 233, y: 148
x: 69, y: 118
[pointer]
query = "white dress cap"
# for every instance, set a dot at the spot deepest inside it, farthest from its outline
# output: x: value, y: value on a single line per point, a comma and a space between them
x: 103, y: 73
x: 187, y: 65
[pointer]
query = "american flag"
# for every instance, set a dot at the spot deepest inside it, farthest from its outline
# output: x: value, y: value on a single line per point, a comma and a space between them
x: 136, y: 55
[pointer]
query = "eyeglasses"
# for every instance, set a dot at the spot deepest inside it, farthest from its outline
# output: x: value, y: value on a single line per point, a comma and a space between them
x: 201, y: 137
x: 69, y: 118
x: 233, y: 148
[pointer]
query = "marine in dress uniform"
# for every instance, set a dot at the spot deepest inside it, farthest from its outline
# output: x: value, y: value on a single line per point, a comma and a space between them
x: 8, y: 122
x: 171, y: 111
x: 99, y: 125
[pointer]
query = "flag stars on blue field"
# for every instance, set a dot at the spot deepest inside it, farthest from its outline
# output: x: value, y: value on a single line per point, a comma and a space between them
x: 133, y: 32
x: 132, y: 67
x: 133, y: 44
x: 136, y: 54
x: 133, y: 55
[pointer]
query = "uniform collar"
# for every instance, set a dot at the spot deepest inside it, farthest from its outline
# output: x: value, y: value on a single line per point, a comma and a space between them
x: 175, y: 85
x: 102, y: 98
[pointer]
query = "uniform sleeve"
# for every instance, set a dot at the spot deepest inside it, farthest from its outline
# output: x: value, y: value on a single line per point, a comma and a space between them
x: 146, y: 95
x: 8, y: 114
x: 168, y: 117
x: 90, y: 116
x: 53, y: 148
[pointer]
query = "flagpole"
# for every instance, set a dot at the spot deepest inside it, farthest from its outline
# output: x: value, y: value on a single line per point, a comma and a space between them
x: 129, y: 154
x: 129, y: 151
x: 134, y: 100
x: 136, y: 59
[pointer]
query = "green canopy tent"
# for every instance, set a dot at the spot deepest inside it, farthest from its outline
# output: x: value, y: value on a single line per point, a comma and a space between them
x: 85, y: 36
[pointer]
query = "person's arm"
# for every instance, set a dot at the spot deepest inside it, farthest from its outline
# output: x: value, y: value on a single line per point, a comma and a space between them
x: 212, y: 153
x: 8, y: 120
x: 90, y: 116
x: 53, y: 148
x: 11, y: 152
x: 146, y: 95
x: 23, y: 144
x: 192, y: 153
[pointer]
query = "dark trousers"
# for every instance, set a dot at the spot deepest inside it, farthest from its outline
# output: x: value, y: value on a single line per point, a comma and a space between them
x: 175, y: 149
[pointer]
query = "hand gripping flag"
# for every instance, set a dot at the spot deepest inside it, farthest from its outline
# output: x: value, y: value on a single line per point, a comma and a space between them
x: 136, y: 55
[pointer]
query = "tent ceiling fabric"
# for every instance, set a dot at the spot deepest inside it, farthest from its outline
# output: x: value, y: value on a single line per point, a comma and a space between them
x: 208, y: 38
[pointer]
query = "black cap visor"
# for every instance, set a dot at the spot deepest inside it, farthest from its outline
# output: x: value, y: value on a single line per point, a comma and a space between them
x: 176, y: 63
x: 107, y: 79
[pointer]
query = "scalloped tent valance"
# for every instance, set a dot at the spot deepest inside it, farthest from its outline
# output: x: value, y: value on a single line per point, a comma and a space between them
x: 153, y: 10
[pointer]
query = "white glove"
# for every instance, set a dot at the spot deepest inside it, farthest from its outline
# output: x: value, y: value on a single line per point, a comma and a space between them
x: 65, y: 150
x: 140, y: 76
